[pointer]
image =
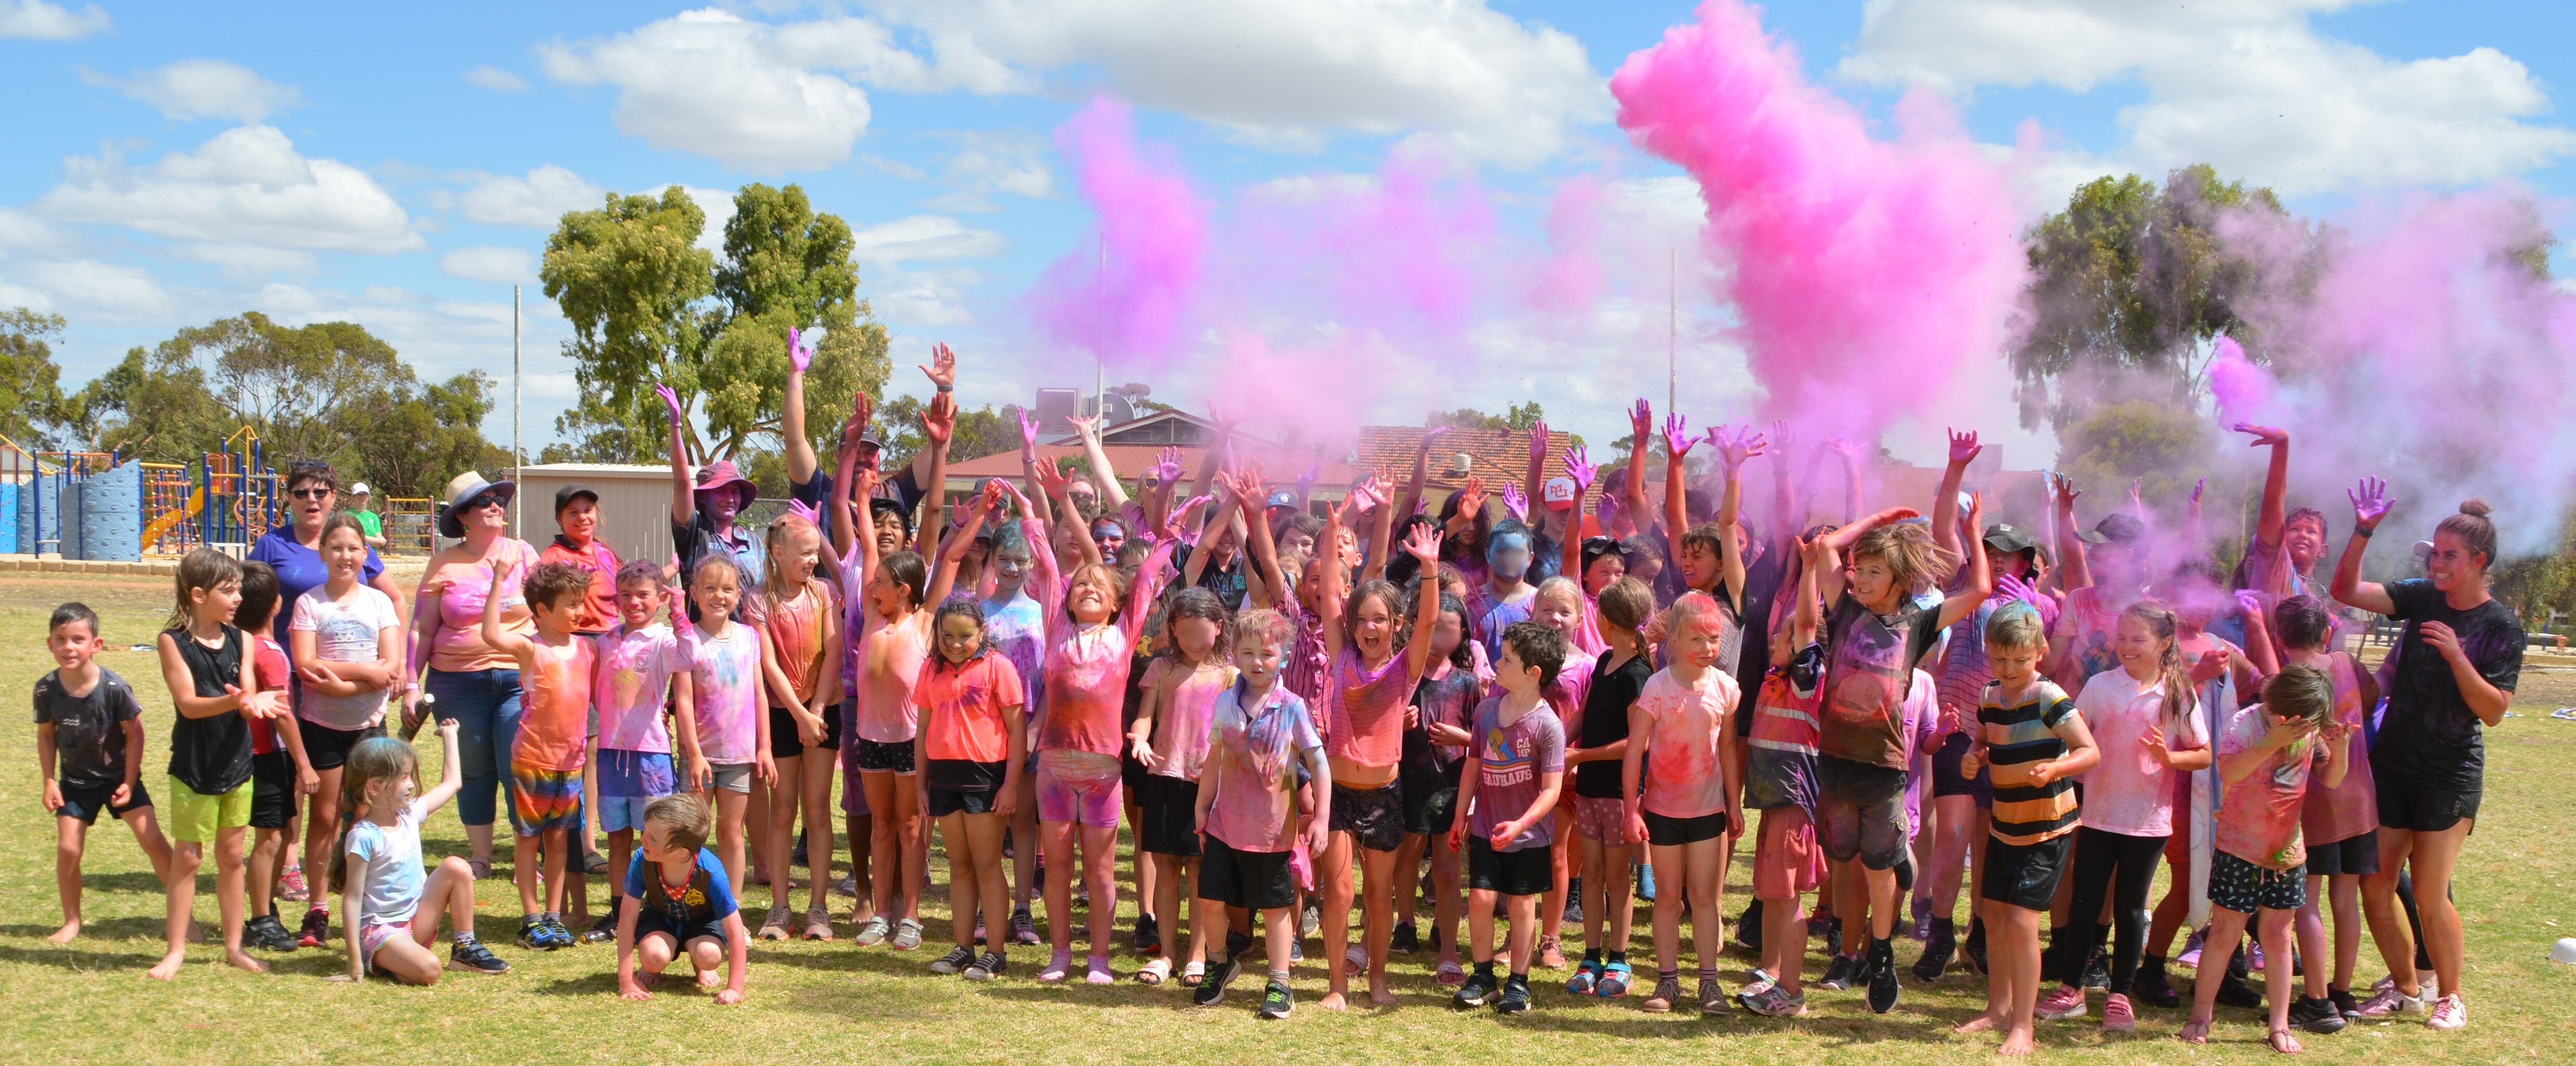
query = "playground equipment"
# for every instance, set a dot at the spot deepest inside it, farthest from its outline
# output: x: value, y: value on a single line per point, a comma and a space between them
x: 173, y: 499
x: 238, y: 494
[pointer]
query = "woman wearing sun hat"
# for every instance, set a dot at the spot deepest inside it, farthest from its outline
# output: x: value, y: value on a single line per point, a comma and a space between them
x: 474, y: 684
x: 703, y: 511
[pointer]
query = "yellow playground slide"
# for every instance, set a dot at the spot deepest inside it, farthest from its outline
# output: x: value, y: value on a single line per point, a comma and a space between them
x: 153, y: 533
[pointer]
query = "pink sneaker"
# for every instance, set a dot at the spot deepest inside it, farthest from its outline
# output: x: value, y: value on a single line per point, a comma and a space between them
x: 2066, y: 1002
x: 2449, y: 1012
x: 2389, y: 1003
x: 2117, y: 1015
x: 1099, y: 974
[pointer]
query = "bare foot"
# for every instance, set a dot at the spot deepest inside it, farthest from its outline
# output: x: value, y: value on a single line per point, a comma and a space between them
x: 1381, y: 996
x: 2195, y: 1031
x: 2018, y: 1042
x: 710, y: 978
x: 168, y: 967
x: 64, y: 935
x: 647, y: 979
x: 2285, y: 1043
x: 241, y: 960
x: 1980, y: 1023
x: 1331, y: 1001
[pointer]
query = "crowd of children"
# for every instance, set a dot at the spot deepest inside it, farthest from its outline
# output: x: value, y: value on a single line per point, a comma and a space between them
x: 1558, y: 706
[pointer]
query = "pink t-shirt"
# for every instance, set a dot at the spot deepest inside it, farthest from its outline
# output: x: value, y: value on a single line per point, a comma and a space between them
x: 1185, y: 713
x: 1303, y: 672
x: 458, y: 646
x: 1254, y: 752
x: 1566, y: 694
x: 1684, y: 726
x: 724, y: 676
x: 1086, y: 666
x: 630, y: 683
x: 1364, y: 709
x: 2129, y: 792
x: 2258, y: 819
x: 892, y: 656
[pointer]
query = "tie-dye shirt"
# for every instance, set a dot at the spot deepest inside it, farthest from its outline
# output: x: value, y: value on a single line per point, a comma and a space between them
x: 1685, y: 731
x: 1303, y: 672
x: 554, y: 715
x: 1364, y: 709
x: 1017, y: 628
x: 1254, y: 754
x: 724, y: 676
x: 1509, y: 760
x: 795, y: 629
x: 631, y: 681
x: 1185, y: 708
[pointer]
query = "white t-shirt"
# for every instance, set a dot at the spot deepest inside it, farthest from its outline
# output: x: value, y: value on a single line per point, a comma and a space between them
x: 347, y: 633
x: 2129, y: 792
x: 386, y: 859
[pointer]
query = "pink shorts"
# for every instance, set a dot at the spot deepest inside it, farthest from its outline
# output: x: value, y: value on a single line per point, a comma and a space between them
x: 1602, y: 819
x: 372, y: 936
x: 1071, y: 789
x: 1787, y: 862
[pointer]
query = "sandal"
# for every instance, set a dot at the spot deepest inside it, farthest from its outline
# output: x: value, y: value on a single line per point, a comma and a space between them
x: 482, y: 868
x: 775, y: 928
x: 2283, y: 1042
x: 1449, y: 974
x: 1193, y: 974
x: 818, y: 923
x: 1153, y: 972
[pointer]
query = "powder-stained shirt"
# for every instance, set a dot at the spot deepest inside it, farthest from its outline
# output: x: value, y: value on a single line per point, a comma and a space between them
x: 1017, y: 628
x: 1308, y: 655
x: 1087, y: 665
x: 2129, y: 792
x: 1364, y: 709
x: 630, y: 682
x: 2021, y: 734
x: 1185, y: 710
x: 1509, y: 760
x: 2259, y: 816
x: 458, y: 646
x: 554, y: 715
x: 1254, y: 752
x: 344, y: 633
x: 724, y: 682
x: 1780, y: 753
x: 962, y: 707
x: 1685, y: 724
x: 1873, y: 657
x: 891, y: 659
x: 795, y: 632
x: 2084, y: 628
x: 1448, y: 695
x: 2351, y: 808
x: 599, y: 601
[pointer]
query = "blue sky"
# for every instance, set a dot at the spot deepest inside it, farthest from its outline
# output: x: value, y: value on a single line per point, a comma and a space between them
x: 400, y: 165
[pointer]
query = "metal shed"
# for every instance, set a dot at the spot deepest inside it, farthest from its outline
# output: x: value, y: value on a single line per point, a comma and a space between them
x: 634, y: 504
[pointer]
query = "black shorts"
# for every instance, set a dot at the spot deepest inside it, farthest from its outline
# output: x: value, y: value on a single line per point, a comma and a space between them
x: 945, y: 801
x: 2422, y: 807
x: 1946, y: 779
x: 272, y: 792
x: 327, y: 748
x: 895, y: 758
x: 1257, y: 880
x: 1132, y: 774
x: 1527, y: 872
x: 2354, y: 855
x: 2245, y: 888
x: 1860, y: 812
x: 1167, y: 810
x: 2025, y: 875
x: 1666, y: 832
x: 784, y: 743
x: 1430, y: 797
x: 651, y: 920
x: 1373, y: 815
x: 85, y: 803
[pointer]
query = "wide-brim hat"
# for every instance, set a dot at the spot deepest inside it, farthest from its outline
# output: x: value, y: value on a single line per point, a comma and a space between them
x: 721, y: 475
x: 462, y: 492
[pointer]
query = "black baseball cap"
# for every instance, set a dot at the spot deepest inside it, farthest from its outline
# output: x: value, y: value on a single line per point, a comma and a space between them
x: 2006, y: 538
x: 2120, y: 529
x: 575, y: 491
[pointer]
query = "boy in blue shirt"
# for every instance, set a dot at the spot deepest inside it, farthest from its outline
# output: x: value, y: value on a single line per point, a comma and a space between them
x: 679, y: 899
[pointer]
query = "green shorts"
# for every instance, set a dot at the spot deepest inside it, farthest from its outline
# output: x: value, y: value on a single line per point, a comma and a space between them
x: 193, y: 817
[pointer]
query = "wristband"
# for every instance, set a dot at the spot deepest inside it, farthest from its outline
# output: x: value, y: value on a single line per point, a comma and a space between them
x: 2363, y: 532
x: 946, y: 388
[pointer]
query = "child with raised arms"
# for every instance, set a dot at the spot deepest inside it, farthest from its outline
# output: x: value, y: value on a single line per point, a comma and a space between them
x: 636, y: 666
x: 1604, y: 835
x: 723, y: 698
x: 1780, y: 781
x: 1680, y: 734
x: 1505, y: 814
x: 554, y: 737
x: 1259, y: 735
x: 1171, y: 738
x: 377, y: 867
x: 202, y: 655
x: 89, y: 753
x: 973, y: 727
x: 680, y: 901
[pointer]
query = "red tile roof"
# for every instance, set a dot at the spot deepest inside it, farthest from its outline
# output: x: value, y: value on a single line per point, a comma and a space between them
x: 1500, y: 456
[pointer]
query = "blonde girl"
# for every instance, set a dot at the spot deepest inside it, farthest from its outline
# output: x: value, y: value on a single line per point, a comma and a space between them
x: 799, y: 615
x: 377, y: 867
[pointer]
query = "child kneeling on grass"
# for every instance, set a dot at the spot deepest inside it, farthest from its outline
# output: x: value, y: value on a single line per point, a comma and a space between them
x: 1519, y: 746
x: 378, y: 872
x: 680, y: 900
x: 89, y: 724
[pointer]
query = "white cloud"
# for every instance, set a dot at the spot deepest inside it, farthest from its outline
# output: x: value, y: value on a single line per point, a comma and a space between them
x: 106, y: 288
x: 924, y: 237
x: 718, y: 205
x: 37, y: 20
x: 251, y: 260
x: 489, y: 263
x: 2249, y: 86
x: 1287, y: 74
x: 496, y: 79
x: 989, y: 163
x: 21, y: 231
x: 536, y: 201
x: 246, y: 185
x: 925, y: 298
x: 204, y: 88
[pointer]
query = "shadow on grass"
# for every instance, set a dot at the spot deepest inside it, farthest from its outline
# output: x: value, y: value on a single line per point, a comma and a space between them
x: 128, y: 927
x: 79, y: 961
x: 139, y: 882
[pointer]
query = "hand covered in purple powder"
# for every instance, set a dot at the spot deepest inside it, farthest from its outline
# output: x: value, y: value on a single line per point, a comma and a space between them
x: 806, y: 511
x: 1964, y: 447
x: 1579, y: 467
x: 2370, y: 503
x: 1516, y: 502
x: 1734, y: 446
x: 1028, y: 433
x: 670, y: 400
x: 1677, y: 437
x: 800, y: 352
x: 1307, y: 479
x: 1641, y: 420
x: 1845, y: 447
x: 2264, y: 436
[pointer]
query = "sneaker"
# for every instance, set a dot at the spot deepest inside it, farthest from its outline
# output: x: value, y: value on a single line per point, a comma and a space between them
x: 602, y: 931
x: 874, y: 932
x: 2317, y: 1015
x: 1840, y: 973
x: 1297, y: 951
x: 1218, y: 977
x: 1404, y: 939
x: 268, y: 934
x: 986, y: 966
x: 1939, y: 946
x: 472, y: 955
x: 1668, y: 991
x: 1587, y: 977
x: 1310, y: 919
x: 2234, y: 992
x: 292, y: 886
x: 1550, y: 955
x: 2389, y: 1003
x: 1973, y: 949
x: 2344, y: 1003
x: 2152, y: 987
x: 2191, y: 946
x: 1646, y: 881
x: 1024, y: 927
x: 1833, y: 936
x: 775, y: 927
x: 1748, y: 927
x: 1770, y: 1002
x: 1574, y: 904
x: 2097, y: 973
x: 1712, y: 998
x: 1478, y: 991
x: 1515, y: 1000
x: 2448, y: 1013
x: 1755, y: 980
x: 1276, y: 1001
x: 798, y: 856
x: 1615, y: 980
x: 534, y: 936
x: 2067, y: 1001
x: 2117, y: 1015
x: 956, y: 961
x: 1882, y: 982
x: 562, y: 937
x: 1147, y: 939
x: 907, y: 934
x: 316, y: 929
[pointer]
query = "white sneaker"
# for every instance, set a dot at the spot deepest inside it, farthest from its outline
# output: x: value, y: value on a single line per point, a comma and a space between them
x: 2389, y: 1002
x: 2449, y: 1012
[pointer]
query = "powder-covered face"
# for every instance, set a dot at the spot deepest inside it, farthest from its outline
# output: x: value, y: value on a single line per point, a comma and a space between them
x: 959, y: 636
x: 1259, y: 658
x: 1700, y: 566
x: 1558, y: 610
x: 1010, y: 567
x: 638, y: 601
x: 1699, y: 639
x: 2305, y: 539
x: 2136, y: 645
x: 1507, y: 556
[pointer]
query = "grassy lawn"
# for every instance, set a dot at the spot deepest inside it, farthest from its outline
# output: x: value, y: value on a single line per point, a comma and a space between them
x: 91, y: 1003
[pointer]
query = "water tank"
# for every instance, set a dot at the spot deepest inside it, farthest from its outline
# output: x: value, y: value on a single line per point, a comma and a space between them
x: 9, y: 517
x: 111, y: 515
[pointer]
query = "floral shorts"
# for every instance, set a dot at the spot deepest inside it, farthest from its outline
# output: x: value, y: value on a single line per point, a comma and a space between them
x: 1603, y: 819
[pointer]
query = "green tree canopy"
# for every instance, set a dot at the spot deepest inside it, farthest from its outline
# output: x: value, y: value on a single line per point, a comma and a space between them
x: 2167, y: 445
x: 30, y: 384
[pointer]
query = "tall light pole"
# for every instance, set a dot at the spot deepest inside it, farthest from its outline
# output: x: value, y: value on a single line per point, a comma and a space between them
x: 518, y: 452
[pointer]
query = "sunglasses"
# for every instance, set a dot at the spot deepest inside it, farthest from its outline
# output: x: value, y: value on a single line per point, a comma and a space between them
x: 310, y: 494
x: 488, y: 501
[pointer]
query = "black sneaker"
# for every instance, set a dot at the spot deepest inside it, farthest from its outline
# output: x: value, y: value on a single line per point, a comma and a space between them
x: 603, y: 930
x: 1213, y: 988
x: 1840, y: 973
x: 2234, y: 992
x: 1973, y: 948
x: 1515, y: 998
x: 1237, y: 942
x: 2097, y: 973
x: 1148, y: 938
x: 1478, y: 991
x: 2152, y: 987
x: 1404, y: 939
x: 799, y: 857
x: 474, y: 956
x: 1938, y: 949
x: 1882, y: 979
x: 987, y: 966
x: 269, y: 934
x: 2345, y: 1005
x: 1748, y: 927
x: 2317, y: 1015
x: 1276, y: 1001
x: 1574, y: 903
x: 1833, y: 936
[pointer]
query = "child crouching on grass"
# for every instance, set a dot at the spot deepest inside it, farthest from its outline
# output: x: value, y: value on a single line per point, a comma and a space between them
x: 89, y: 724
x: 378, y: 872
x: 679, y: 900
x: 1508, y: 801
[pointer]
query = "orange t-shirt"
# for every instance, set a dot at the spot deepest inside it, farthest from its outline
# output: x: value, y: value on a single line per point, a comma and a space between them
x: 599, y: 604
x: 554, y: 708
x: 795, y: 630
x: 961, y: 707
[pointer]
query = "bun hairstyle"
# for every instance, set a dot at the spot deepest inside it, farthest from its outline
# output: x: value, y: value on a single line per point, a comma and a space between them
x: 2475, y: 532
x: 2161, y: 622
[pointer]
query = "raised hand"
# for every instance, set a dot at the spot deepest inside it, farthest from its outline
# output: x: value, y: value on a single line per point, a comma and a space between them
x: 1052, y: 479
x: 1735, y: 446
x: 1424, y: 544
x: 1471, y: 497
x: 1313, y: 472
x: 806, y: 511
x: 2138, y: 496
x: 1028, y: 433
x: 2066, y: 492
x: 1224, y: 425
x: 1434, y: 433
x: 2250, y: 602
x: 800, y: 352
x: 1964, y: 447
x: 1677, y: 438
x: 2014, y: 588
x: 2197, y: 488
x: 1976, y: 512
x: 1538, y: 441
x: 1781, y: 439
x: 2264, y: 436
x: 939, y: 418
x: 2370, y: 503
x: 1578, y: 466
x: 1845, y: 447
x: 1641, y: 420
x: 943, y: 367
x: 671, y: 400
x: 1515, y: 502
x: 1167, y: 466
x: 1086, y: 428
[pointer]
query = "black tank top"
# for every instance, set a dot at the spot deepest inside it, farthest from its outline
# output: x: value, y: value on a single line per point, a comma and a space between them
x: 210, y: 755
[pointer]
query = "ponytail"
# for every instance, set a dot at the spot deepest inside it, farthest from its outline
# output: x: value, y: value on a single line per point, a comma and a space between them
x: 2161, y: 622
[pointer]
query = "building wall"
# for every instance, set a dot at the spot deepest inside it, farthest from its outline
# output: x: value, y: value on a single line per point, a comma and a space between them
x: 634, y: 505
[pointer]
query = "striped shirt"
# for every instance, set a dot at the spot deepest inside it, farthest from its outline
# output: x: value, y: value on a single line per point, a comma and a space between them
x: 2018, y: 738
